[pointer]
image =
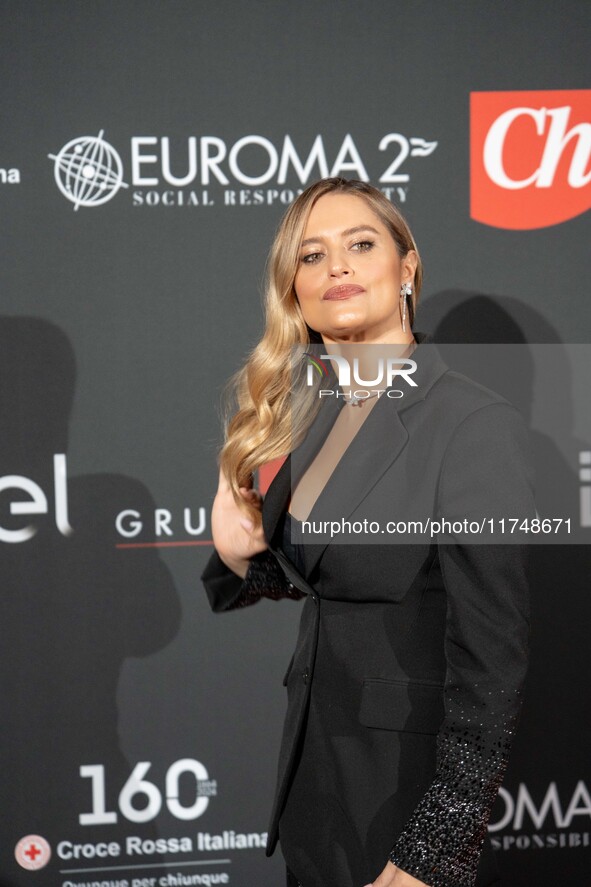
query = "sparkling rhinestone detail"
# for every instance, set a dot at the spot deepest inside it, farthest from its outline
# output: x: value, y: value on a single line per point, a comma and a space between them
x: 265, y: 578
x: 442, y: 841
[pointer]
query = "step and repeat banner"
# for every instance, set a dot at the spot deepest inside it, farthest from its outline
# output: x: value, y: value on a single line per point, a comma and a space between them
x: 147, y: 152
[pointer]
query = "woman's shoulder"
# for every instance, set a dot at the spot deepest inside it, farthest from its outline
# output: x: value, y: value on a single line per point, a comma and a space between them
x: 453, y: 390
x: 467, y: 391
x: 457, y: 401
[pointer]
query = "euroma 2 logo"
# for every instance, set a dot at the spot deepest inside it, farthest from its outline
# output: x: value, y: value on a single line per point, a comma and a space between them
x: 253, y: 170
x: 530, y: 820
x: 88, y: 171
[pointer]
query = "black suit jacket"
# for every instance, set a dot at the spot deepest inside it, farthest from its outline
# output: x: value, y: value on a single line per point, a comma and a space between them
x: 405, y: 685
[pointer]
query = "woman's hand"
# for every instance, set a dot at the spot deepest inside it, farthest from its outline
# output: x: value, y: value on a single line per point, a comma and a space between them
x: 235, y: 537
x: 392, y: 876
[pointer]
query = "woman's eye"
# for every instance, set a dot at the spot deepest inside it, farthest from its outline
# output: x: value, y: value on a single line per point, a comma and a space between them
x: 311, y: 258
x: 363, y: 246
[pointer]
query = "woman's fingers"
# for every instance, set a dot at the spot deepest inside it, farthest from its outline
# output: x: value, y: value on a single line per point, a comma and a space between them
x: 254, y: 531
x: 237, y: 536
x: 250, y: 492
x: 387, y: 877
x: 392, y: 876
x: 251, y: 496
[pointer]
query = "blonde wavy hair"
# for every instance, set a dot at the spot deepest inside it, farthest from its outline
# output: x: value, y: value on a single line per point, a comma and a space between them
x: 267, y: 421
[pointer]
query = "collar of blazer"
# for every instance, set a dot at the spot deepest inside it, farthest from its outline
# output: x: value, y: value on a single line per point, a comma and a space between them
x: 354, y: 475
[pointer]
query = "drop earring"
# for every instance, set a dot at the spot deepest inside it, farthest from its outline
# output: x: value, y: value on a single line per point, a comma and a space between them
x: 405, y: 290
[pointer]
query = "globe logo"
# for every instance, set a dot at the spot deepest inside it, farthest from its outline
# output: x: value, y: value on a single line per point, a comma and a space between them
x: 88, y: 171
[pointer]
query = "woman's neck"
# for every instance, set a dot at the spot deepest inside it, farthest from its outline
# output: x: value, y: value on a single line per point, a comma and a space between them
x: 366, y: 363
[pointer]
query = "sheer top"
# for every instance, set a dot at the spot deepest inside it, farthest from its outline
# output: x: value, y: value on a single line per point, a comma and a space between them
x: 316, y: 475
x: 345, y: 428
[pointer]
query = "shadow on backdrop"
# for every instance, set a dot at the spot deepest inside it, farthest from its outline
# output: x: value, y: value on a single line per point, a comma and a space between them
x: 74, y: 608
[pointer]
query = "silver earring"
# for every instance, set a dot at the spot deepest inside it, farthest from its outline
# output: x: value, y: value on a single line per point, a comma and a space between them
x: 405, y: 290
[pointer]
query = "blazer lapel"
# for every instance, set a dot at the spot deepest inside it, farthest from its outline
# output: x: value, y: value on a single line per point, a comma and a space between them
x: 374, y: 448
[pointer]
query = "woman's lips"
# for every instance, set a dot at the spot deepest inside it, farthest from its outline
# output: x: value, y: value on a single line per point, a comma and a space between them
x: 342, y: 292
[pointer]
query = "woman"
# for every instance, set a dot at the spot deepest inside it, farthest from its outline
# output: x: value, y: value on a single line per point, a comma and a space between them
x: 404, y: 688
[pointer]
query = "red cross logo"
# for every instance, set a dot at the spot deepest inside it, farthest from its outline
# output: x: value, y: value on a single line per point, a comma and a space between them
x: 32, y: 852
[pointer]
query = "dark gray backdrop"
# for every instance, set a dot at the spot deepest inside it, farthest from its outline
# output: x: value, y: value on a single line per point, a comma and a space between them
x: 120, y: 323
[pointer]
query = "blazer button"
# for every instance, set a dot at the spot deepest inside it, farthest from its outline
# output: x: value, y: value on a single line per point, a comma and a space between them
x: 305, y: 676
x: 291, y: 586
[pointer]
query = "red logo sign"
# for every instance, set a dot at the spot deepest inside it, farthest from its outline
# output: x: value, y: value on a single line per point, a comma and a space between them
x: 32, y: 852
x: 530, y: 157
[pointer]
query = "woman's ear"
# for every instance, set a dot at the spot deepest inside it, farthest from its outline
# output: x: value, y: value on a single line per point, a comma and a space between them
x: 408, y: 266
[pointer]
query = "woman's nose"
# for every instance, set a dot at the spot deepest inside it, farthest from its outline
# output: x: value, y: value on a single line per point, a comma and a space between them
x: 339, y: 267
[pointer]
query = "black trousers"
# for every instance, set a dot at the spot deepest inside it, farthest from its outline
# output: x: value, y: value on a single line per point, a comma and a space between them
x: 292, y: 881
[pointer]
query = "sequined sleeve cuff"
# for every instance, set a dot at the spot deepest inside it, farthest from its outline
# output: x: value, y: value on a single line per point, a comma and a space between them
x: 442, y: 842
x: 264, y: 578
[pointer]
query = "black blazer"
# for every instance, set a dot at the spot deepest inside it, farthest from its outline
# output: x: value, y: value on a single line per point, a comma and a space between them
x: 405, y: 685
